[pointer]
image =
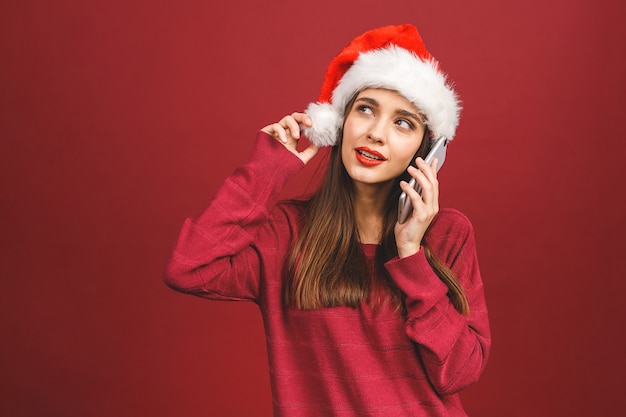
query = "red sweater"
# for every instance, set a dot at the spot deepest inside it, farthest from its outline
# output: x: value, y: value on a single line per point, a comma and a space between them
x: 337, y: 361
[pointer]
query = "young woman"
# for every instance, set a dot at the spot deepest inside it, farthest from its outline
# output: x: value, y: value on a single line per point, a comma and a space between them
x: 364, y: 316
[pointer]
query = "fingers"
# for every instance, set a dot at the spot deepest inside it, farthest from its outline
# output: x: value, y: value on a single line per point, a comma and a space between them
x: 426, y: 175
x: 430, y: 170
x: 426, y: 200
x: 288, y: 131
x: 307, y: 154
x: 288, y: 128
x: 425, y: 204
x: 294, y: 121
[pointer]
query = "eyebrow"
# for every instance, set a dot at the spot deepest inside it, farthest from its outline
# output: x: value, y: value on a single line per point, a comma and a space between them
x: 410, y: 115
x: 400, y: 112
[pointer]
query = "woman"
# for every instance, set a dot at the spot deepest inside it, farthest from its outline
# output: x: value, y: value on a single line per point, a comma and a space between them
x: 364, y: 316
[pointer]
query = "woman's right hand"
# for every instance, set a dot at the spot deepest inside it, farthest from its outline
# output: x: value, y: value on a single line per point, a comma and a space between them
x: 287, y: 131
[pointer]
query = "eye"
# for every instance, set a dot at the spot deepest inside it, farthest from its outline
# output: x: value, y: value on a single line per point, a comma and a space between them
x: 362, y: 108
x: 405, y: 124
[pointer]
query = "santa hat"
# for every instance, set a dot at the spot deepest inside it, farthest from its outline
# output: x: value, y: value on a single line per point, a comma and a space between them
x: 390, y: 57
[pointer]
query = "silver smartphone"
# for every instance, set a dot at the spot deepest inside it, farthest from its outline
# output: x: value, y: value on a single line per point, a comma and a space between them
x: 437, y: 150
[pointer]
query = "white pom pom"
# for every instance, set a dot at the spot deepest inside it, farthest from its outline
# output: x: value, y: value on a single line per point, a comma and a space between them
x: 326, y: 124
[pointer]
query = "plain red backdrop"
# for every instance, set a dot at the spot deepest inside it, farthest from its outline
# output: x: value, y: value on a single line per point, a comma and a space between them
x: 118, y: 119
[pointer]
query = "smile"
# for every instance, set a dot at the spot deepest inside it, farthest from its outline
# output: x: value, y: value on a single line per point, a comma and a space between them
x: 369, y: 157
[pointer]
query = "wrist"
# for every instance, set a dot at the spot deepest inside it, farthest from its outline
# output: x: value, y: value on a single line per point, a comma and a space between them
x: 405, y: 252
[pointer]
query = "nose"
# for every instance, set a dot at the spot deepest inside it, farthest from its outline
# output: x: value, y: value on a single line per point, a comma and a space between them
x: 376, y: 132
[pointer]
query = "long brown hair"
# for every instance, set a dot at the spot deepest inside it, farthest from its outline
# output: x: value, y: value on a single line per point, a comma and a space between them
x: 327, y: 266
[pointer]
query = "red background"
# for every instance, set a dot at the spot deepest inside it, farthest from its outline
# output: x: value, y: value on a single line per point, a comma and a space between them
x: 118, y: 119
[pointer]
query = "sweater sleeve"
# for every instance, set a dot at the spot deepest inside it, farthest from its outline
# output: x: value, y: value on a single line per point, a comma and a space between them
x: 216, y: 255
x: 454, y: 348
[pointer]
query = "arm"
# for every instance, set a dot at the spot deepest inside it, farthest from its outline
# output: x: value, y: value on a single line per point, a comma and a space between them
x: 215, y: 255
x: 454, y: 348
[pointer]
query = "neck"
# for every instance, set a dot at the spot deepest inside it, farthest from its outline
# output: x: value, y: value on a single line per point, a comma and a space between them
x: 369, y: 209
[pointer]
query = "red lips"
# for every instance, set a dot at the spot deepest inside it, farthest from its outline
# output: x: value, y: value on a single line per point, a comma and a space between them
x: 368, y: 157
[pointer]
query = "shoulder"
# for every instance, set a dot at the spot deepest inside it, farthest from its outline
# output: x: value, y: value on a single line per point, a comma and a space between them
x: 450, y: 231
x: 450, y: 220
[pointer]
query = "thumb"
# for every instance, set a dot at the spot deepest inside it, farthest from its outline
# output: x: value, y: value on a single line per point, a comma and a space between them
x: 308, y: 154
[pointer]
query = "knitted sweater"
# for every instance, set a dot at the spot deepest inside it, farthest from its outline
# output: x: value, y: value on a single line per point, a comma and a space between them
x: 367, y: 361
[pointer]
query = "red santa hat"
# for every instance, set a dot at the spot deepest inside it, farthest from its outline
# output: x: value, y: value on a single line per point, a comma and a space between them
x: 390, y: 57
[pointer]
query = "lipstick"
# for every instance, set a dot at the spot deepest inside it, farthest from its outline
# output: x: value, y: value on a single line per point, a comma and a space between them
x: 369, y: 157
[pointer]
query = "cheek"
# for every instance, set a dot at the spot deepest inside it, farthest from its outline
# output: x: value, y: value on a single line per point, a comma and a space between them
x: 404, y: 154
x: 350, y: 129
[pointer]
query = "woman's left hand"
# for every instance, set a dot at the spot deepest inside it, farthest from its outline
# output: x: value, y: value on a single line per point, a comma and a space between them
x: 409, y: 234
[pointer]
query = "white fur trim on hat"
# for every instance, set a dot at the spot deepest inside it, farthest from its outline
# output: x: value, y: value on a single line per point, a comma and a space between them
x: 326, y: 124
x: 392, y: 68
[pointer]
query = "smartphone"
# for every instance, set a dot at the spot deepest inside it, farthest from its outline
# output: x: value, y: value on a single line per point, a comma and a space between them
x: 437, y: 150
